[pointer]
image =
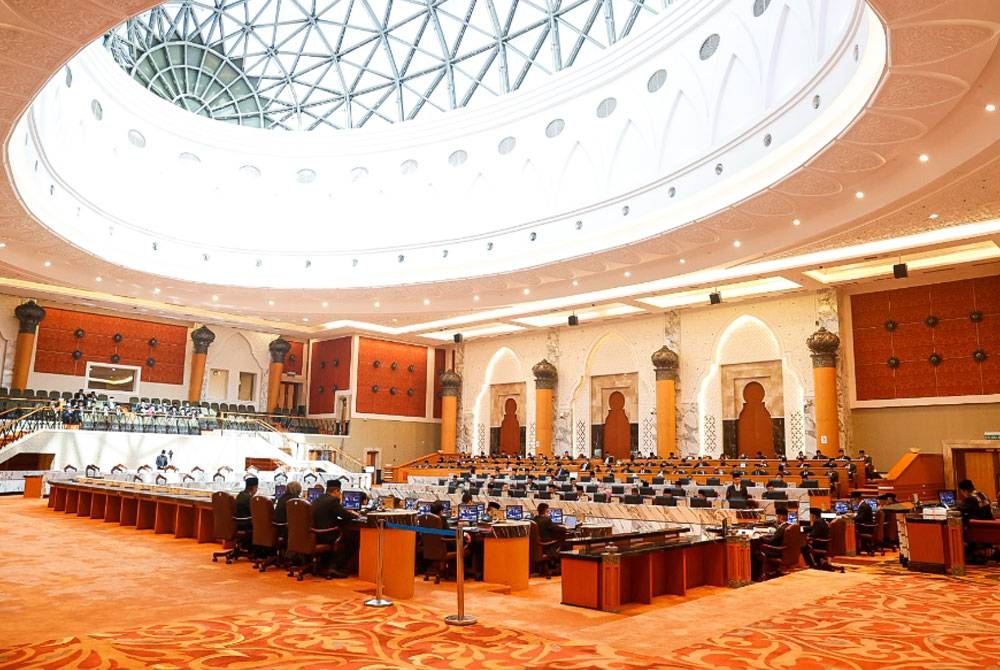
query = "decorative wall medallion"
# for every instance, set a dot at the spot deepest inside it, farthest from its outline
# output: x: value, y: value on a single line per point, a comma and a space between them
x: 392, y: 390
x: 409, y: 392
x: 931, y: 321
x: 976, y: 316
x: 336, y: 362
x: 376, y: 364
x: 375, y: 388
x: 890, y: 325
x: 79, y: 333
x: 979, y: 355
x: 319, y: 389
x: 411, y: 368
x: 335, y: 388
x: 153, y: 342
x: 394, y: 365
x: 322, y: 365
x: 893, y: 362
x: 115, y: 358
x: 77, y: 355
x: 117, y: 337
x: 934, y: 359
x: 150, y: 361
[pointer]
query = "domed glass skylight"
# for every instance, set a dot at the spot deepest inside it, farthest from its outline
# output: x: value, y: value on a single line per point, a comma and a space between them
x: 307, y: 64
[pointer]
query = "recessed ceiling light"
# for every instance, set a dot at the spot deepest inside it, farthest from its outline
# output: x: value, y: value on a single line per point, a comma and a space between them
x: 98, y: 279
x: 526, y: 291
x: 271, y: 303
x: 3, y: 245
x: 395, y: 320
x: 859, y: 195
x: 377, y: 304
x: 576, y: 283
x: 932, y: 215
x: 628, y: 274
x: 47, y: 264
x: 796, y: 222
x: 305, y: 318
x: 737, y: 244
x: 326, y: 304
x: 427, y: 301
x: 156, y: 291
x: 991, y: 107
x: 923, y: 158
x: 682, y: 261
x: 476, y: 298
x: 215, y: 298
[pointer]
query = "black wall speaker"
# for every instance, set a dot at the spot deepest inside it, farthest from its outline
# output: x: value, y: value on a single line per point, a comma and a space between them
x: 573, y: 320
x: 714, y: 298
x: 900, y: 271
x: 458, y: 338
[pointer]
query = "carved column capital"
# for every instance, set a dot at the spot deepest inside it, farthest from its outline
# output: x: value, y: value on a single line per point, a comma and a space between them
x: 202, y: 338
x: 279, y: 348
x: 546, y: 375
x: 451, y: 383
x: 29, y: 314
x: 666, y: 362
x: 823, y: 344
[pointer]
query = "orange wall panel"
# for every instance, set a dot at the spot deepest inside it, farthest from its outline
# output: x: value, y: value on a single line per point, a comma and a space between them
x: 392, y: 378
x: 440, y: 365
x: 295, y: 360
x: 57, y: 341
x: 954, y: 338
x: 329, y: 372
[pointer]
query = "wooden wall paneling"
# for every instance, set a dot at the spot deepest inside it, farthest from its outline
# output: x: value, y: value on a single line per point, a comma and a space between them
x: 295, y: 360
x: 329, y: 372
x: 987, y: 294
x: 377, y: 377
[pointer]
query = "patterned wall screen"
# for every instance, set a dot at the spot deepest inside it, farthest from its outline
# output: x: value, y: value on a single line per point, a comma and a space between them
x: 392, y: 378
x: 157, y: 348
x: 926, y: 341
x: 329, y: 372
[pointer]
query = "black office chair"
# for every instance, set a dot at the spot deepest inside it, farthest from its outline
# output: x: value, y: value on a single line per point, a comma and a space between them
x: 709, y: 493
x: 633, y: 500
x: 699, y: 502
x: 665, y: 501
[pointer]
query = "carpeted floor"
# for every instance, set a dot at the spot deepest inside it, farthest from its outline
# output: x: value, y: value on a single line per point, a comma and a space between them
x: 78, y: 593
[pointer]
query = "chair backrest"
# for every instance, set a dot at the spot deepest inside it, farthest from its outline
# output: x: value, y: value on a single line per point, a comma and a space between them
x: 713, y: 481
x: 223, y: 511
x: 838, y: 537
x: 665, y: 501
x: 262, y: 517
x: 600, y: 497
x: 434, y: 548
x: 793, y: 545
x: 535, y: 550
x: 301, y: 539
x: 633, y: 500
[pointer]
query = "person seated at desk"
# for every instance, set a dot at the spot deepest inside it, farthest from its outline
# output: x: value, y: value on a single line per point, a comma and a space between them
x: 553, y: 492
x: 738, y: 489
x: 863, y: 513
x: 243, y: 503
x: 819, y: 529
x: 975, y: 504
x: 292, y: 491
x: 779, y: 481
x: 329, y: 512
x: 466, y: 498
x: 548, y: 530
x: 759, y: 470
x: 494, y: 511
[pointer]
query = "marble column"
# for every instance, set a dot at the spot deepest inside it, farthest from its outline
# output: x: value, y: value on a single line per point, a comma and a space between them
x: 202, y: 338
x: 545, y: 384
x: 451, y: 386
x: 823, y: 344
x: 29, y: 314
x: 666, y: 363
x: 279, y: 348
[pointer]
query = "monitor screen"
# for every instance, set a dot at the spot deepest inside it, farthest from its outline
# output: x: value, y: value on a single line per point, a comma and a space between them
x: 279, y: 490
x: 840, y: 507
x: 946, y: 498
x: 569, y: 520
x: 555, y: 513
x: 423, y: 508
x: 481, y: 508
x: 352, y: 500
x: 410, y: 503
x: 514, y: 512
x: 793, y: 517
x: 873, y: 503
x: 447, y: 507
x: 314, y: 493
x: 468, y: 513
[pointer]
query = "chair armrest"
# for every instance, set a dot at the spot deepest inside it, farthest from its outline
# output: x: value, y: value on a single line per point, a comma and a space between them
x: 773, y: 547
x: 324, y: 530
x: 242, y: 518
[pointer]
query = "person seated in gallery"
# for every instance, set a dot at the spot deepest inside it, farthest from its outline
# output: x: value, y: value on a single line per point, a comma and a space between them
x: 243, y: 503
x: 975, y: 504
x: 466, y: 498
x: 759, y: 470
x: 819, y: 529
x: 553, y: 492
x: 548, y: 530
x: 292, y: 491
x: 779, y: 481
x: 738, y: 489
x: 329, y: 512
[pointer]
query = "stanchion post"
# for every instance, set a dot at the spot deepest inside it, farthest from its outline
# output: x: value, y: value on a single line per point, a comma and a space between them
x: 460, y: 619
x: 378, y: 600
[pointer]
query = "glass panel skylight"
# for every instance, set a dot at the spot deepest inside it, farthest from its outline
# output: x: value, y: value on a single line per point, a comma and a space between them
x: 307, y: 64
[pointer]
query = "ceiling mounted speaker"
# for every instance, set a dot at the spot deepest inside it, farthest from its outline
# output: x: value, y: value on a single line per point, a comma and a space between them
x: 458, y: 338
x: 573, y: 320
x: 715, y: 298
x: 900, y: 271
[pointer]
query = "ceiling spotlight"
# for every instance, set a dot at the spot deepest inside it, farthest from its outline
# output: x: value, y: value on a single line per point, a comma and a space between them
x: 156, y: 291
x: 99, y: 279
x: 796, y: 222
x: 305, y: 318
x: 457, y: 337
x: 325, y: 303
x: 576, y: 283
x: 714, y: 298
x: 271, y: 303
x: 573, y: 320
x: 377, y: 304
x: 923, y: 158
x: 215, y: 298
x: 991, y: 107
x: 683, y: 261
x: 526, y: 291
x: 47, y: 264
x: 427, y: 301
x: 3, y: 245
x: 900, y: 271
x: 737, y: 244
x: 627, y: 274
x: 859, y: 195
x: 475, y: 298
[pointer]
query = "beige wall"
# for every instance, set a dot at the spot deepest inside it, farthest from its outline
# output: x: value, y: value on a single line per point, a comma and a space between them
x: 888, y: 432
x: 398, y: 441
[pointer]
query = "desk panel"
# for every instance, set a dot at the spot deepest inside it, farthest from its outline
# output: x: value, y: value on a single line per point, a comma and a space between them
x: 400, y: 557
x: 505, y: 561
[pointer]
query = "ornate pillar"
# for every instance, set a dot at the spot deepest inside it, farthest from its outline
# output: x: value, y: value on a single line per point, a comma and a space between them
x: 30, y: 315
x: 823, y: 344
x: 545, y: 384
x: 279, y: 348
x: 202, y: 338
x: 451, y: 386
x: 666, y: 363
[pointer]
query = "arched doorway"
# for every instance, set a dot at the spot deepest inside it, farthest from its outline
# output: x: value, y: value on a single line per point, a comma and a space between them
x: 617, y: 430
x: 510, y: 429
x: 754, y: 428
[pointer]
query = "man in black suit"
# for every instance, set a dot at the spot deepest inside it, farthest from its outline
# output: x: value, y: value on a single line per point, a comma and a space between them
x: 864, y: 513
x: 738, y: 489
x: 548, y: 530
x: 328, y: 512
x: 243, y: 503
x: 819, y: 529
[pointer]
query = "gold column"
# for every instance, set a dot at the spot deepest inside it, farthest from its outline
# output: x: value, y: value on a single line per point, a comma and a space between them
x: 545, y: 384
x: 666, y: 363
x: 201, y: 337
x: 29, y: 314
x: 823, y: 344
x: 279, y: 348
x: 451, y: 386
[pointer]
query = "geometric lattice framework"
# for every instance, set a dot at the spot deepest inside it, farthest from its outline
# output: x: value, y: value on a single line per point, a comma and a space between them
x: 307, y: 64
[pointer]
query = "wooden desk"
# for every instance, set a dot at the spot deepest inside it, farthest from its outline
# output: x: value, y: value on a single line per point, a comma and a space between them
x: 32, y: 486
x: 936, y: 544
x: 399, y: 560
